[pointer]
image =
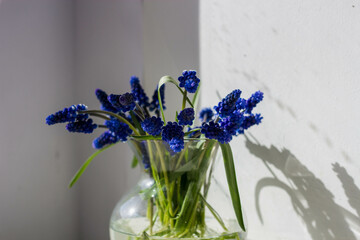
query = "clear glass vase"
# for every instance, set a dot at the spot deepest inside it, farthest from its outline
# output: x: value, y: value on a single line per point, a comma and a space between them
x: 176, y: 197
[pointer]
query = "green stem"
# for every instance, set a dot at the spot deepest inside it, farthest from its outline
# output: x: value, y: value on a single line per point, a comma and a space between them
x: 100, y: 116
x: 163, y: 166
x: 113, y: 115
x: 156, y: 177
x: 184, y: 100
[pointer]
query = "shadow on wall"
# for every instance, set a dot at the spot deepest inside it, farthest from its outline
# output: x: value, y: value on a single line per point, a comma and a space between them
x: 311, y: 200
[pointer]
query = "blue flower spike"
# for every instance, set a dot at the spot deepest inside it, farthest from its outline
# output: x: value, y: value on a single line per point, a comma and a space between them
x: 84, y: 126
x: 154, y: 105
x: 232, y: 123
x: 253, y: 101
x: 138, y: 92
x: 228, y: 104
x: 120, y: 129
x: 104, y: 139
x: 69, y: 114
x: 123, y: 103
x: 103, y: 99
x: 189, y: 81
x: 186, y: 116
x: 206, y: 115
x: 173, y: 134
x: 153, y: 125
x: 249, y: 121
x: 213, y: 130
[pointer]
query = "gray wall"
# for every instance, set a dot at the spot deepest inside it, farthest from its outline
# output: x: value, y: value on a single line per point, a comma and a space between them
x: 108, y: 52
x: 55, y: 53
x: 36, y: 161
x: 171, y: 45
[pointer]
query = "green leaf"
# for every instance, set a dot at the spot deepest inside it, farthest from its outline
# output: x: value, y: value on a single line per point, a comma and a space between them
x: 176, y: 114
x: 168, y: 79
x: 136, y: 123
x: 86, y: 164
x: 134, y: 162
x: 196, y: 96
x: 231, y: 179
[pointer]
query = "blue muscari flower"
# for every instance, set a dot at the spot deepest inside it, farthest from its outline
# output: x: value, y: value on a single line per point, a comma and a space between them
x: 69, y: 114
x: 232, y: 123
x: 120, y: 129
x: 189, y: 81
x: 154, y: 105
x: 213, y: 130
x: 124, y: 102
x: 152, y: 125
x: 250, y: 121
x: 84, y: 126
x: 206, y: 114
x: 105, y: 138
x: 114, y: 100
x: 173, y: 134
x: 176, y: 144
x: 241, y: 104
x: 186, y: 116
x: 253, y: 101
x: 228, y: 104
x: 138, y: 92
x: 105, y: 104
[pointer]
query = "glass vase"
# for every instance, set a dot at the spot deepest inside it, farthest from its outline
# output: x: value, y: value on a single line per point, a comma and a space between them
x: 177, y: 195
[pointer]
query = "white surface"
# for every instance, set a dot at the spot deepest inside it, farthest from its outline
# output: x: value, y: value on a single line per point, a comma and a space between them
x: 304, y: 55
x: 36, y: 161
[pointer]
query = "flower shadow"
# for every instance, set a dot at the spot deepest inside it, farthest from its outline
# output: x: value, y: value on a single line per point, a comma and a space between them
x: 311, y: 200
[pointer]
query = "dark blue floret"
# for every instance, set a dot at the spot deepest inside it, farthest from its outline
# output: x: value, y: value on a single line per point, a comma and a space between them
x: 85, y: 126
x: 152, y: 125
x: 105, y: 138
x: 103, y: 99
x: 138, y: 92
x: 124, y: 102
x: 206, y: 114
x: 253, y: 101
x: 228, y: 104
x: 213, y: 130
x: 186, y: 116
x: 120, y: 129
x: 189, y: 81
x: 154, y: 105
x: 127, y: 99
x: 83, y: 116
x: 173, y: 134
x: 114, y: 100
x: 176, y: 144
x: 241, y: 104
x: 250, y: 121
x: 69, y: 114
x: 232, y: 123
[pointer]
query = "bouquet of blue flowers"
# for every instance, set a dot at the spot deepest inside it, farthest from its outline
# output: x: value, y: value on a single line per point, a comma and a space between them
x: 168, y: 150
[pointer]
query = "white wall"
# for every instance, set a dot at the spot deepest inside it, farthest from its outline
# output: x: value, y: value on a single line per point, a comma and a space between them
x: 36, y: 160
x: 304, y: 55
